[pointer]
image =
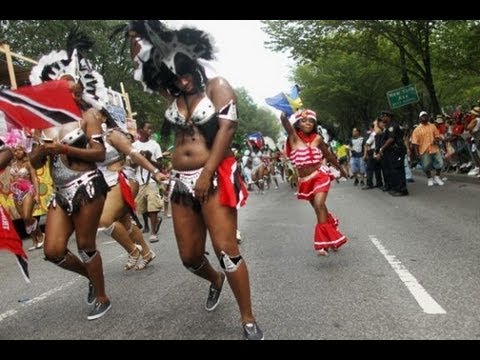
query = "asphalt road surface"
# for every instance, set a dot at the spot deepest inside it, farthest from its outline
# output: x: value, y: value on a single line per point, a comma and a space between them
x: 410, y: 270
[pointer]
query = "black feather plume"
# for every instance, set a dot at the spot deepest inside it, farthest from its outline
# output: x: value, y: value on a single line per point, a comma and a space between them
x: 78, y: 40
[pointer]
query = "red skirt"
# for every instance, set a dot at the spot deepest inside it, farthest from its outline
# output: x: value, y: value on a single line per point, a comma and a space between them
x: 231, y: 186
x: 126, y: 191
x: 317, y: 182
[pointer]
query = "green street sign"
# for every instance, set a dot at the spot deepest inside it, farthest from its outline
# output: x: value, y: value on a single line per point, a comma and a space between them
x: 402, y: 96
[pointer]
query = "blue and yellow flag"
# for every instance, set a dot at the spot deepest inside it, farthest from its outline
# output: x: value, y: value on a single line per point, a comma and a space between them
x: 288, y: 103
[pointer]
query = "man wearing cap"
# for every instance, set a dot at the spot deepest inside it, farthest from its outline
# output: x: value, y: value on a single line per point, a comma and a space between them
x: 425, y: 139
x: 393, y: 151
x: 440, y: 124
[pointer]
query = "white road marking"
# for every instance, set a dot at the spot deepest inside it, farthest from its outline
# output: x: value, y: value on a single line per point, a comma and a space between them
x: 46, y: 294
x: 6, y: 314
x: 423, y: 298
x: 43, y: 296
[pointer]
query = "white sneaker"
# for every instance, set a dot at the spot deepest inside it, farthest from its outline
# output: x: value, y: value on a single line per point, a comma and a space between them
x: 474, y: 172
x: 438, y: 181
x: 430, y: 182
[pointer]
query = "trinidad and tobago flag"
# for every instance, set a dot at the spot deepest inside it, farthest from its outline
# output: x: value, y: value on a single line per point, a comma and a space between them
x: 10, y: 241
x: 39, y: 107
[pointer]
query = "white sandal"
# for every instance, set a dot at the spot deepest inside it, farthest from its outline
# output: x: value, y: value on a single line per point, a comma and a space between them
x: 32, y: 227
x: 142, y: 263
x: 132, y: 259
x: 322, y: 252
x: 40, y: 244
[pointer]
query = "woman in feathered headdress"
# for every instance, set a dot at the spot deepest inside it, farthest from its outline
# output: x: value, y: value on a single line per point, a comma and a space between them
x: 306, y: 150
x: 206, y: 187
x: 72, y: 65
x: 79, y: 187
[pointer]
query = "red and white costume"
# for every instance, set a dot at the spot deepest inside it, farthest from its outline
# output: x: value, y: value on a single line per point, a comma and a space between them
x: 326, y: 234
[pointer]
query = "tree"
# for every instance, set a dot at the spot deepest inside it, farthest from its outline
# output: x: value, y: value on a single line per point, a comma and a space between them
x: 456, y: 47
x: 344, y: 90
x: 311, y: 39
x: 34, y: 38
x: 253, y: 119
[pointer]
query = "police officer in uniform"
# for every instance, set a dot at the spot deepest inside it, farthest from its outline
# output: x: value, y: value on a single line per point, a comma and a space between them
x: 393, y: 151
x: 380, y: 139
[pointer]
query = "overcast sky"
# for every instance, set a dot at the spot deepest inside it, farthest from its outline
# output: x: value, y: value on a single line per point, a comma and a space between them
x: 242, y: 58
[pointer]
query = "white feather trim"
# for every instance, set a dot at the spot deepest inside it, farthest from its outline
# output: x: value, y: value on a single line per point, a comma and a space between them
x: 46, y: 60
x: 142, y: 57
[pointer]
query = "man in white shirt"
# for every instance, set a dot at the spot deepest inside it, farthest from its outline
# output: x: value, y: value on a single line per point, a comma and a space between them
x: 148, y: 200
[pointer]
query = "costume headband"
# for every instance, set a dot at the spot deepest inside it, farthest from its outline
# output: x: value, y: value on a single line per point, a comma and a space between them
x: 160, y: 45
x: 306, y: 113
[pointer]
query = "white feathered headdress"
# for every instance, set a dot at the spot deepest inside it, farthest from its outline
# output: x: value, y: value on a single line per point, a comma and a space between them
x: 73, y: 62
x: 159, y: 47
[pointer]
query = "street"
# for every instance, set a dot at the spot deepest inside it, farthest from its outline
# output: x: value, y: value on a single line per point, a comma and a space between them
x: 410, y: 270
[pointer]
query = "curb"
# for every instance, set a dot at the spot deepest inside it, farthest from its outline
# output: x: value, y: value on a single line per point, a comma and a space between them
x: 452, y: 177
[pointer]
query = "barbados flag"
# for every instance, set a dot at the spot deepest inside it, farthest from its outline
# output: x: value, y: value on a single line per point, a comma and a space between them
x: 288, y: 103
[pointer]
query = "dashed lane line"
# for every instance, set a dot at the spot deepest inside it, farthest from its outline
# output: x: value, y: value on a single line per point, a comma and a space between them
x: 423, y: 298
x: 46, y: 294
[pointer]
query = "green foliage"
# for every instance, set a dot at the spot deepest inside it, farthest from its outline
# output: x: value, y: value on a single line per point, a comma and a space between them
x: 34, y: 38
x: 456, y: 47
x: 438, y: 55
x: 456, y: 59
x: 345, y: 91
x: 254, y: 119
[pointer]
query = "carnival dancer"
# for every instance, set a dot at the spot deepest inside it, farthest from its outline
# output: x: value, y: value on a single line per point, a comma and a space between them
x: 116, y: 218
x: 9, y: 239
x: 255, y: 144
x: 206, y: 187
x: 73, y: 150
x: 24, y: 186
x: 306, y: 150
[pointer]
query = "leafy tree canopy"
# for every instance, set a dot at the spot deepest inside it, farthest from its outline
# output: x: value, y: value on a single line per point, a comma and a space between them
x: 34, y: 38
